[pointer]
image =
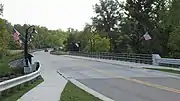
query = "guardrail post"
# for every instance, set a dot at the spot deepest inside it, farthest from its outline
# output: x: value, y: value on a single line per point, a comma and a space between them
x: 155, y: 57
x: 38, y: 78
x: 0, y: 95
x: 12, y: 89
x: 5, y: 93
x: 16, y: 85
x: 99, y: 55
x: 26, y: 84
x: 126, y: 57
x: 102, y: 56
x: 139, y: 60
x: 19, y: 87
x: 32, y: 81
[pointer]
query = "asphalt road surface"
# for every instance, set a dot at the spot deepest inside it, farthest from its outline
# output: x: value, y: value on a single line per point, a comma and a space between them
x: 116, y: 82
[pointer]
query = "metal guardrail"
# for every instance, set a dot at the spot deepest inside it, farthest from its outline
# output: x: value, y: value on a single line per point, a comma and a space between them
x: 138, y: 58
x: 22, y: 79
x: 19, y: 80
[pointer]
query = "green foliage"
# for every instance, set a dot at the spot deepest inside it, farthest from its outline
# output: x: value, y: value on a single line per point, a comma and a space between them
x: 126, y: 23
x: 173, y: 16
x: 4, y: 68
x: 45, y: 38
x: 119, y: 27
x: 174, y: 43
x: 107, y: 19
x: 89, y: 42
x: 107, y: 15
x: 3, y: 38
x: 98, y: 44
x: 147, y: 16
x: 174, y: 37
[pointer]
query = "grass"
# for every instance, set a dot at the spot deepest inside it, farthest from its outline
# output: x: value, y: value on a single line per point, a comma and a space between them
x: 4, y: 68
x: 73, y: 93
x: 58, y: 53
x: 165, y: 70
x: 16, y: 94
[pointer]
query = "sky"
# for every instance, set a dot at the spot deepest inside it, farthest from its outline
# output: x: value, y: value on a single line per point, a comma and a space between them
x: 53, y: 14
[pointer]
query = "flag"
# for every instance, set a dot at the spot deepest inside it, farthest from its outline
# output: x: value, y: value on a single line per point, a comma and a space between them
x: 147, y: 36
x: 16, y: 35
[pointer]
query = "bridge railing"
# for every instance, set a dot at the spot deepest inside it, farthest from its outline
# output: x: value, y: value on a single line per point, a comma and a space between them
x: 138, y: 58
x: 152, y: 59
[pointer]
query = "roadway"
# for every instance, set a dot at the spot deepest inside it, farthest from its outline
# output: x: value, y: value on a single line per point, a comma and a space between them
x: 116, y: 82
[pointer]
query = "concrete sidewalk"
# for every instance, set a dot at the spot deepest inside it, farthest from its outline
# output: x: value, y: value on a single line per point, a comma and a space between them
x: 122, y: 63
x: 49, y: 90
x: 53, y: 85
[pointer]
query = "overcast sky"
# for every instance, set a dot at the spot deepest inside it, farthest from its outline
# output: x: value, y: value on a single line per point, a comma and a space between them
x: 53, y: 14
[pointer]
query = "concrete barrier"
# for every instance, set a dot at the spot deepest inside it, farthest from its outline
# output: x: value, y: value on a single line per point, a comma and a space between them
x: 157, y: 60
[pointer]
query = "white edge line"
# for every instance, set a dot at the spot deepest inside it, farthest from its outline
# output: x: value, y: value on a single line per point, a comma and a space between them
x: 87, y: 89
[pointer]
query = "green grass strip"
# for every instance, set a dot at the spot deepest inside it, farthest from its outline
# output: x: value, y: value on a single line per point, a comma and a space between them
x: 165, y: 70
x: 73, y: 93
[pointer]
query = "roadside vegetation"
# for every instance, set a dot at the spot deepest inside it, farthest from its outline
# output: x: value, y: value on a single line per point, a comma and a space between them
x: 58, y: 52
x: 73, y: 93
x: 116, y: 27
x: 4, y: 67
x: 14, y: 95
x: 51, y: 38
x: 165, y: 70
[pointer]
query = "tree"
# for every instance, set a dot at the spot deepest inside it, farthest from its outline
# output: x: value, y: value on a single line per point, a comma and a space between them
x: 107, y: 15
x: 173, y: 20
x: 72, y: 39
x: 44, y: 38
x: 1, y: 9
x: 98, y: 44
x: 148, y: 16
x: 107, y: 18
x: 174, y: 43
x: 173, y: 16
x: 3, y: 38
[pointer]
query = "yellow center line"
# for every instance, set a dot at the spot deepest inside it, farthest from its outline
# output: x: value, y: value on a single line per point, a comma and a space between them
x: 136, y: 81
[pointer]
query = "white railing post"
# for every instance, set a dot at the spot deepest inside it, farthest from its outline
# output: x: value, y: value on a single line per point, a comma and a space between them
x: 155, y: 58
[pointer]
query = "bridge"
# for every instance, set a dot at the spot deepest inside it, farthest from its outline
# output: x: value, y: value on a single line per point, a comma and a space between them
x: 116, y: 82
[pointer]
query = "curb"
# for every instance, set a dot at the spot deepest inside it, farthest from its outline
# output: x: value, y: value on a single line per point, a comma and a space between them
x: 87, y: 89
